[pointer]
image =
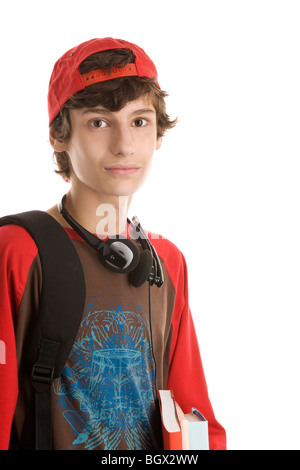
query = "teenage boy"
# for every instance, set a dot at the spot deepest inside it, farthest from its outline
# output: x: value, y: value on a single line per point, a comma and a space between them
x: 107, y: 117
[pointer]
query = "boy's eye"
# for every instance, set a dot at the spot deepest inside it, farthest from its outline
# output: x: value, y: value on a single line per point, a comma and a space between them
x: 140, y: 122
x: 97, y: 123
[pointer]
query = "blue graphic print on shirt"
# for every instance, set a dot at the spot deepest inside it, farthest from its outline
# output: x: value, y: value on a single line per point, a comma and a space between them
x: 107, y: 389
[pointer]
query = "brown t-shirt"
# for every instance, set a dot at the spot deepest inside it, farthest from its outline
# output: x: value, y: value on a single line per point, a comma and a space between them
x: 106, y: 397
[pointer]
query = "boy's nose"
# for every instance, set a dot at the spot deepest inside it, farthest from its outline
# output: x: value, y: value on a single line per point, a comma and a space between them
x: 122, y: 143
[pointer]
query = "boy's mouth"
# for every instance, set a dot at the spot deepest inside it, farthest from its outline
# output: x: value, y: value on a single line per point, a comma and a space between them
x: 122, y: 169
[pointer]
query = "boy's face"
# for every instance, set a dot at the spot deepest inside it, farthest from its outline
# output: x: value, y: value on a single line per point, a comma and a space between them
x: 111, y: 152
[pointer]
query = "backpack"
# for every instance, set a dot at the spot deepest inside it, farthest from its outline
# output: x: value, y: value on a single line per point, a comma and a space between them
x: 60, y: 312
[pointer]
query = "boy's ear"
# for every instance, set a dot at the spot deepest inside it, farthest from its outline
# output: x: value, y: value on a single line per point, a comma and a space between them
x: 58, y: 145
x: 158, y: 143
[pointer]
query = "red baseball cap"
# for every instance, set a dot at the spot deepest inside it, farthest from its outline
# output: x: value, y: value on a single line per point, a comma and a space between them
x: 66, y: 80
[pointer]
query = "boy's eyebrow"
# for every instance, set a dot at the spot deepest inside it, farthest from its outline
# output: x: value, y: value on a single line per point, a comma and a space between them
x: 107, y: 111
x: 144, y: 111
x: 96, y: 110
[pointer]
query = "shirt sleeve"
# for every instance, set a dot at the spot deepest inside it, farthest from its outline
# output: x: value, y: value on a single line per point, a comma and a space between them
x: 186, y: 375
x: 17, y: 252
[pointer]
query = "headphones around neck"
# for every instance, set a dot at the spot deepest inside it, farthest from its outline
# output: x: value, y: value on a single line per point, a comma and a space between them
x: 119, y: 254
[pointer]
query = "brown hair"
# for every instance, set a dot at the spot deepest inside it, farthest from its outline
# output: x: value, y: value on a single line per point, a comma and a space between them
x: 112, y: 94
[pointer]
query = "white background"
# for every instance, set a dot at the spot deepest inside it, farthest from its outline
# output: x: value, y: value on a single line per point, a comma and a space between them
x: 224, y: 187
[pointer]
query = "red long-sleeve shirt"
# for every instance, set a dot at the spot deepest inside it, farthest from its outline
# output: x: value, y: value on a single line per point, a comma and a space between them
x: 113, y: 339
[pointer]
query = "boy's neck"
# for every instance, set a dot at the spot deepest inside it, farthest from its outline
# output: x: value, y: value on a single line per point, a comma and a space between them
x: 105, y: 217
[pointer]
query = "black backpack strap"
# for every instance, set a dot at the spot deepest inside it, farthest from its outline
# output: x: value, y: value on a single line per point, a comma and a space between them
x: 60, y: 311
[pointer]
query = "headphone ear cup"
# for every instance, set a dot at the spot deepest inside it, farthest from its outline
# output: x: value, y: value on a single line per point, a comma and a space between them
x: 122, y: 249
x: 140, y: 274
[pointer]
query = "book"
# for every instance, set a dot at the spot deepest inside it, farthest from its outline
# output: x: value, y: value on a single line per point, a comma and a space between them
x: 181, y: 431
x: 184, y: 426
x: 171, y: 431
x: 194, y: 429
